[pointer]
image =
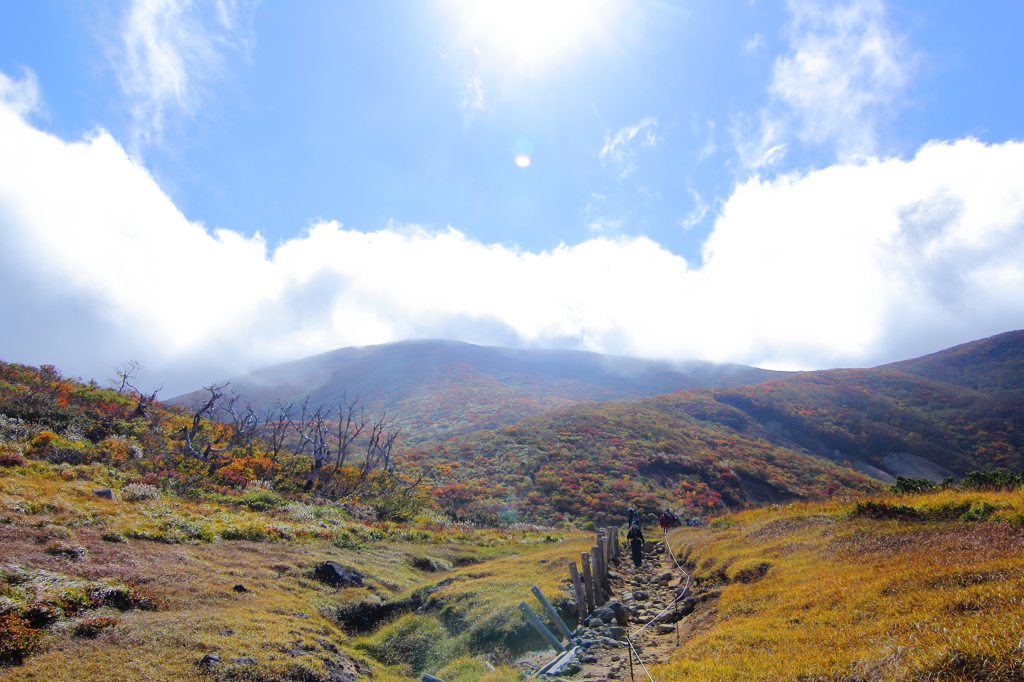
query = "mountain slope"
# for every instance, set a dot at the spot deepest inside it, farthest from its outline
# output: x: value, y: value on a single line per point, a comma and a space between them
x: 437, y: 389
x: 803, y: 436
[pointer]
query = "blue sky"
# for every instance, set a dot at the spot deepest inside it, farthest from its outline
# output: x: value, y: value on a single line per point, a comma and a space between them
x: 213, y: 186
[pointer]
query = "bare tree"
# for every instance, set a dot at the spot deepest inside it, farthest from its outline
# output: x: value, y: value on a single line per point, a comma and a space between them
x: 350, y: 425
x: 126, y: 375
x: 208, y: 408
x: 245, y: 423
x: 312, y: 428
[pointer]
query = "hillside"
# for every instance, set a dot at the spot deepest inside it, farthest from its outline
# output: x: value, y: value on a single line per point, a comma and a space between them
x: 810, y: 434
x: 438, y: 389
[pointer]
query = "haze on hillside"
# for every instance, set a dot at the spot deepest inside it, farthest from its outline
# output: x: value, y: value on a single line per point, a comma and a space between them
x: 437, y: 389
x: 210, y: 188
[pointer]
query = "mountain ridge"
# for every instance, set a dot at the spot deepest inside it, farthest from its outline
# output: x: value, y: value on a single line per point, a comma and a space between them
x: 439, y: 388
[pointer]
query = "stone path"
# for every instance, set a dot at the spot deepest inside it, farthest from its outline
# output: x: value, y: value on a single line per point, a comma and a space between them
x: 638, y: 596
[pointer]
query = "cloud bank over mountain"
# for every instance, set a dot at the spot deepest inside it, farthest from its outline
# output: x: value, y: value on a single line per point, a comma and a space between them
x: 854, y: 264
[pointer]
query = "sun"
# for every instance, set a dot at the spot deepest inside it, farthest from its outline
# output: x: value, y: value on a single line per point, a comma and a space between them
x: 533, y: 31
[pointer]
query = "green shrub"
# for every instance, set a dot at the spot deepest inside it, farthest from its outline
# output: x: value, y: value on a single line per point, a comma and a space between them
x: 884, y: 510
x: 250, y: 533
x: 1000, y: 479
x: 261, y: 501
x: 396, y: 507
x: 912, y: 485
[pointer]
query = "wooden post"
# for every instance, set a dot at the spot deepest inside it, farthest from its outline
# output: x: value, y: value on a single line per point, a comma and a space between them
x: 539, y: 626
x: 577, y: 586
x: 595, y: 576
x: 610, y: 534
x: 597, y: 556
x: 588, y: 580
x: 551, y: 612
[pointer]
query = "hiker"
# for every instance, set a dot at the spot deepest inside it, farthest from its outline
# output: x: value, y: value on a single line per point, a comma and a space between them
x: 631, y: 518
x: 636, y: 544
x: 666, y: 521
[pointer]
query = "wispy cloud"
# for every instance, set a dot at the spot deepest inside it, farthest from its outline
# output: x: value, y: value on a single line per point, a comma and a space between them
x: 845, y: 75
x: 20, y: 96
x: 853, y: 264
x: 169, y: 51
x: 473, y: 100
x: 620, y: 148
x: 699, y: 212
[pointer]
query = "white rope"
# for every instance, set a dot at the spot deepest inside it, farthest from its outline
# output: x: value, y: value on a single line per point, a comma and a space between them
x: 652, y: 621
x: 638, y: 659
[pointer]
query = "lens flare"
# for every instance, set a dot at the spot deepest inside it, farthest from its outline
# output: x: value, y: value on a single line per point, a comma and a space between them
x: 534, y: 30
x: 522, y: 160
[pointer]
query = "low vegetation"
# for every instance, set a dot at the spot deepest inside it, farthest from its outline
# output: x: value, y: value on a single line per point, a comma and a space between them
x: 924, y: 586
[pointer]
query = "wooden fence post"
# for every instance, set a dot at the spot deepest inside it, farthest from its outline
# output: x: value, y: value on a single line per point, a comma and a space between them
x: 588, y: 581
x: 551, y: 612
x: 595, y: 575
x: 581, y: 598
x: 539, y: 626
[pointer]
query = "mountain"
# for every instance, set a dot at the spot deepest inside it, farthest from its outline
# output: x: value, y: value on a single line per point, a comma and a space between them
x: 437, y: 389
x: 803, y: 436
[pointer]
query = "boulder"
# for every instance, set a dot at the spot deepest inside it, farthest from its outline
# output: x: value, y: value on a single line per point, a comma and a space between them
x: 209, y: 660
x: 334, y: 574
x: 104, y: 492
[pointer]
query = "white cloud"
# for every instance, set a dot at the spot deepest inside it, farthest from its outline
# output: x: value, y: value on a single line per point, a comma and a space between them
x: 168, y: 50
x: 620, y: 148
x: 849, y: 265
x: 845, y: 74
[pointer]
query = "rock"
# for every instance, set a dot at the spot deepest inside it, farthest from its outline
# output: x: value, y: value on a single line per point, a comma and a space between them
x: 665, y: 629
x: 594, y: 622
x: 209, y: 660
x: 243, y: 660
x: 239, y: 588
x: 334, y: 574
x: 613, y: 632
x: 588, y: 659
x: 648, y: 547
x: 225, y: 632
x: 667, y: 575
x: 613, y: 610
x: 104, y: 492
x: 640, y: 595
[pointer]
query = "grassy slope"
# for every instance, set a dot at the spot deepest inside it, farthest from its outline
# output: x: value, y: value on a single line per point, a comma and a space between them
x: 850, y: 598
x: 285, y: 620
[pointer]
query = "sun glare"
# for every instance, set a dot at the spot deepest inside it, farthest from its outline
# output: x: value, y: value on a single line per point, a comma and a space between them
x: 533, y: 30
x: 522, y: 160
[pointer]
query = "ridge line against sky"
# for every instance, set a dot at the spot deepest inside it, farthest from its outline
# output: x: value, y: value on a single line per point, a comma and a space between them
x: 808, y: 228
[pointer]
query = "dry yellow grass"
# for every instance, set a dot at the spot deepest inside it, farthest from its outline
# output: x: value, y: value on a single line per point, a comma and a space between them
x: 850, y: 598
x: 284, y: 619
